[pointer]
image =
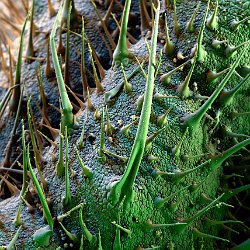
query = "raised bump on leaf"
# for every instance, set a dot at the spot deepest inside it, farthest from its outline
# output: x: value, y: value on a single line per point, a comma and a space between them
x: 180, y: 56
x: 97, y: 114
